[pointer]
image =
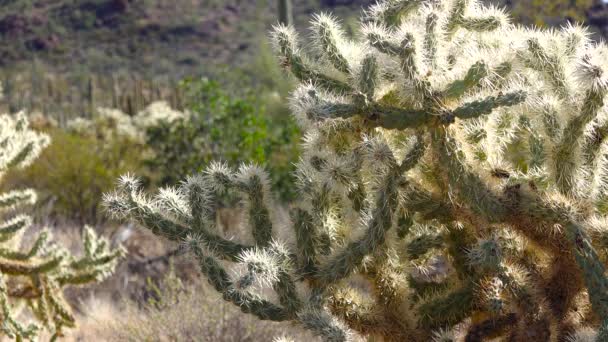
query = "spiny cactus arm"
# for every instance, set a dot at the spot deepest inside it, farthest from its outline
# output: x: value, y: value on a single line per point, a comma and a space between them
x: 9, y: 228
x: 285, y: 42
x: 102, y: 259
x: 10, y: 326
x: 39, y: 306
x: 574, y: 238
x: 376, y: 115
x: 455, y: 16
x: 447, y: 309
x: 405, y: 53
x: 431, y: 40
x: 305, y: 239
x: 324, y: 325
x: 591, y: 146
x: 593, y: 269
x: 140, y: 207
x: 16, y: 198
x: 368, y: 76
x: 200, y: 200
x: 360, y: 314
x: 272, y: 265
x: 407, y: 56
x: 377, y: 37
x: 321, y: 206
x: 564, y: 159
x: 551, y: 65
x: 482, y: 24
x: 422, y: 244
x: 576, y: 37
x: 476, y: 73
x: 98, y: 262
x: 16, y: 267
x: 254, y: 182
x: 329, y: 35
x: 503, y: 283
x: 414, y: 155
x: 395, y: 118
x: 285, y: 288
x: 491, y: 327
x: 203, y: 193
x: 392, y: 295
x: 415, y: 199
x: 460, y: 238
x: 477, y: 108
x: 25, y: 145
x: 351, y: 256
x: 36, y: 248
x: 128, y: 201
x: 219, y: 279
x: 391, y: 13
x: 469, y: 187
x: 57, y: 310
x: 487, y: 19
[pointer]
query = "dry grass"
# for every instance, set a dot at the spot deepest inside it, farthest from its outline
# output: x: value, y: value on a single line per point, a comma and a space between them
x: 196, y: 314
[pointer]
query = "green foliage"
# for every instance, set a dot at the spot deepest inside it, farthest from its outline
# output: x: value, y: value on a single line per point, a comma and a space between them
x: 550, y: 13
x: 33, y: 274
x: 221, y: 126
x: 75, y: 171
x: 454, y: 163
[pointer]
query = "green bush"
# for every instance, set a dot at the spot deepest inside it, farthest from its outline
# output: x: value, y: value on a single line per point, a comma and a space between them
x: 74, y: 172
x: 550, y: 13
x: 222, y: 126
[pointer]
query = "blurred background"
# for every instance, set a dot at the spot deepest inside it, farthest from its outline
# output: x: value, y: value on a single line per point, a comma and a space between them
x: 159, y: 88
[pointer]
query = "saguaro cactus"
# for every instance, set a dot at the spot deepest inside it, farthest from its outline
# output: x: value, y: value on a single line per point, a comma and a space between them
x: 32, y: 274
x: 453, y: 184
x: 285, y: 10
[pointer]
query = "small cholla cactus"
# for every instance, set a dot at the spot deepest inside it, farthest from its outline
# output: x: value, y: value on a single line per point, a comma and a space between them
x: 33, y: 274
x: 455, y: 164
x: 108, y: 124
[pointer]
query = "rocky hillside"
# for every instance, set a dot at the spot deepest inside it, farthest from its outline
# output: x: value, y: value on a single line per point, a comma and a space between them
x: 74, y: 50
x: 175, y: 37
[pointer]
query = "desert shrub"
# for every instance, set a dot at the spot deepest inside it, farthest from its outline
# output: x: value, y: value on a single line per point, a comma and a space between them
x: 82, y: 164
x: 452, y: 184
x: 221, y: 126
x: 34, y: 273
x: 550, y: 13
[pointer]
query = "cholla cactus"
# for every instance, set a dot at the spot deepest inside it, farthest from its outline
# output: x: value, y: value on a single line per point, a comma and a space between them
x: 108, y: 124
x: 453, y: 161
x: 32, y: 279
